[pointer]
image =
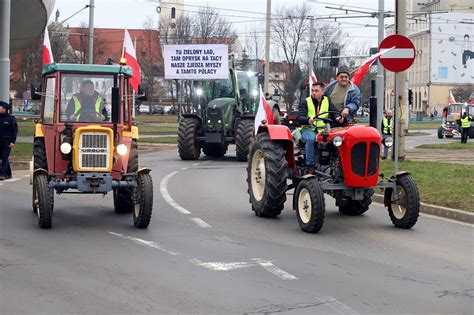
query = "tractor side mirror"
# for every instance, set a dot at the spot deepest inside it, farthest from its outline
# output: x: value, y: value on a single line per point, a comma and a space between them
x: 35, y: 91
x: 142, y: 92
x: 115, y: 105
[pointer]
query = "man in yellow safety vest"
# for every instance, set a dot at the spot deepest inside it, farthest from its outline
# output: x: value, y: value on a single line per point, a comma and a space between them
x: 465, y: 126
x: 86, y: 106
x: 316, y: 104
x: 387, y: 128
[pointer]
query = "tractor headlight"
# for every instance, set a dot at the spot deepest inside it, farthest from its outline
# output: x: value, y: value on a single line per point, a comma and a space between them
x: 387, y: 141
x: 66, y: 148
x: 219, y: 121
x: 122, y: 149
x: 337, y: 141
x: 208, y: 121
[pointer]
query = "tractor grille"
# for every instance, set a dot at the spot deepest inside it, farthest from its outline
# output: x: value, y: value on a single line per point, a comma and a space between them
x: 94, y: 151
x: 374, y: 154
x: 358, y: 158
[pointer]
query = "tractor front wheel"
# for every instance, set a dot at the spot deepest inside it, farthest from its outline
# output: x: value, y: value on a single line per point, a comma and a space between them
x: 405, y: 208
x: 43, y: 201
x: 243, y: 138
x: 266, y: 176
x: 188, y: 149
x: 440, y: 133
x: 310, y: 207
x: 143, y: 201
x: 123, y: 197
x: 356, y: 207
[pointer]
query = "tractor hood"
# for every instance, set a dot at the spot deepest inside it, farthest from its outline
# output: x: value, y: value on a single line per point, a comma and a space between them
x: 220, y: 109
x: 221, y: 102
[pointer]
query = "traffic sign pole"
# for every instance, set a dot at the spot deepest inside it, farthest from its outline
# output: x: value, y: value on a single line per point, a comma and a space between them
x: 395, y: 126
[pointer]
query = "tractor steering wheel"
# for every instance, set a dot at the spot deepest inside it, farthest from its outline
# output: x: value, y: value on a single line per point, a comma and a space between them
x: 86, y: 113
x: 327, y: 120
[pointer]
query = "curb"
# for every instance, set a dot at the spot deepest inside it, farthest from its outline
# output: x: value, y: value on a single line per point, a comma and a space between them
x: 444, y: 212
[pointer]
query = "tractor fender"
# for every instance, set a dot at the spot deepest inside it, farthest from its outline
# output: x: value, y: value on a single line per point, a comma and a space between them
x: 307, y: 176
x: 193, y: 116
x: 388, y: 197
x: 144, y: 170
x: 36, y: 172
x: 282, y: 134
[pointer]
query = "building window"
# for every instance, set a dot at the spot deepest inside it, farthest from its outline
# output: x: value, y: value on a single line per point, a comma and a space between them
x: 442, y: 72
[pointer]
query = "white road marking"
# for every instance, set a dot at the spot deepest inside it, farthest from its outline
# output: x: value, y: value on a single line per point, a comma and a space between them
x: 270, y: 267
x: 145, y: 243
x: 166, y: 195
x: 336, y: 305
x: 184, y: 168
x: 201, y: 223
x: 221, y: 266
x: 195, y: 164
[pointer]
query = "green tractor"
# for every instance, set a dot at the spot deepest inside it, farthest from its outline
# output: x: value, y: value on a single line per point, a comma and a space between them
x: 226, y: 118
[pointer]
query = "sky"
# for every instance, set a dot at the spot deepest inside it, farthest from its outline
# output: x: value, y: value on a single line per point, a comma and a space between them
x: 245, y: 15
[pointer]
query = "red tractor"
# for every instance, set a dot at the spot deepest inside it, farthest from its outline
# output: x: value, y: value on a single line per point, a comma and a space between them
x: 348, y: 171
x: 86, y: 141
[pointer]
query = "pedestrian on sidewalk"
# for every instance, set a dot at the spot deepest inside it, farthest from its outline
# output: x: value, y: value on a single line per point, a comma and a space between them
x: 387, y: 127
x: 465, y: 126
x: 8, y: 132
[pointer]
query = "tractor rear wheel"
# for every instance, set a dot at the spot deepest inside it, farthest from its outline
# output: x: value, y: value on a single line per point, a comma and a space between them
x: 123, y: 197
x: 42, y: 200
x: 405, y: 211
x: 440, y: 133
x: 310, y: 207
x: 356, y: 207
x: 266, y: 176
x: 214, y: 149
x: 143, y: 207
x: 188, y: 149
x: 243, y: 138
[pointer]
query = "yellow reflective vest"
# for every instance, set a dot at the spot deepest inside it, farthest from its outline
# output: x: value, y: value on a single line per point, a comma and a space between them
x: 465, y: 123
x: 77, y: 105
x: 387, y: 128
x: 323, y: 109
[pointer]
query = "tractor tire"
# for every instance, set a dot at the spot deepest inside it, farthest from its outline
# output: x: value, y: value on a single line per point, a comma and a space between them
x: 39, y: 154
x: 143, y: 207
x: 405, y: 213
x: 243, y: 138
x: 187, y: 148
x: 123, y: 197
x: 471, y: 132
x: 214, y: 149
x: 449, y: 136
x: 310, y: 207
x: 266, y: 176
x: 44, y: 208
x: 348, y: 206
x: 440, y: 133
x: 276, y: 116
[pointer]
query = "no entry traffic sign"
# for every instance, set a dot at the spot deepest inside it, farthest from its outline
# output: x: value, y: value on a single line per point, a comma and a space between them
x: 401, y: 57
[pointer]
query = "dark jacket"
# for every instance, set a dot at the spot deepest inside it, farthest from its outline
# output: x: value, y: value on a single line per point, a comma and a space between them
x: 352, y: 99
x: 303, y: 111
x: 8, y: 127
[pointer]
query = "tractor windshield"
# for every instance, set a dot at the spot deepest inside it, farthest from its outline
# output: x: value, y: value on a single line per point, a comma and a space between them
x: 222, y: 88
x: 455, y: 108
x: 86, y: 98
x: 248, y: 88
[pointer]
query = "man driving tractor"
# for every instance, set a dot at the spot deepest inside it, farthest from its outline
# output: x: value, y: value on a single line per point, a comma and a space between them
x: 86, y: 105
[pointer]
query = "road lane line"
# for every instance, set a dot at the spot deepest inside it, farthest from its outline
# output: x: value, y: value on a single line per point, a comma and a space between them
x: 201, y: 223
x: 270, y: 267
x: 184, y: 168
x: 221, y: 266
x: 166, y: 196
x: 336, y: 305
x: 145, y: 243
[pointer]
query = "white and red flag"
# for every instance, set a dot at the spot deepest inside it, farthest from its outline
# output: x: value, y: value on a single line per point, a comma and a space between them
x: 129, y: 54
x: 312, y: 79
x: 264, y: 112
x: 452, y: 100
x: 360, y: 72
x: 47, y: 52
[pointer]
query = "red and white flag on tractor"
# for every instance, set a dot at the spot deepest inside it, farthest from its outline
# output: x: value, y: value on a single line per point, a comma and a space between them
x: 129, y: 54
x: 360, y: 72
x: 312, y: 79
x: 452, y: 100
x: 264, y: 112
x: 47, y: 52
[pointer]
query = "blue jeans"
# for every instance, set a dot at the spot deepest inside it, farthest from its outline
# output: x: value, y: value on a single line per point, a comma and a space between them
x: 312, y: 153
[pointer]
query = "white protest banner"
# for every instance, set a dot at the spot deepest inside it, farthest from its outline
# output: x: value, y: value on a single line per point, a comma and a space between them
x: 196, y: 62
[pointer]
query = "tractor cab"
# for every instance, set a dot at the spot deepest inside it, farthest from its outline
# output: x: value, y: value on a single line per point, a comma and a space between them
x: 85, y: 140
x: 449, y: 121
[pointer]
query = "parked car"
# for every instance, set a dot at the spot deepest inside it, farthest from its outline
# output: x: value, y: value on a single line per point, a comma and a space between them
x: 171, y: 110
x: 157, y: 109
x: 144, y: 109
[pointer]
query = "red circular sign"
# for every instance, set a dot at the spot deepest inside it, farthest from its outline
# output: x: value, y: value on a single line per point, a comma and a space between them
x: 399, y: 58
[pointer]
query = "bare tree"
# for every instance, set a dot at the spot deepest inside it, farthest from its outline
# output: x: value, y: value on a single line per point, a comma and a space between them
x: 254, y: 47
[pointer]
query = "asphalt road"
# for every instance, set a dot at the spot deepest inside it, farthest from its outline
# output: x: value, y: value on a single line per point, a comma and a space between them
x: 205, y: 252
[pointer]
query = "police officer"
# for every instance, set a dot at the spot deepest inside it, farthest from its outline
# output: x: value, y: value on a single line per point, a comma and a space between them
x: 465, y: 126
x: 8, y: 132
x: 387, y: 127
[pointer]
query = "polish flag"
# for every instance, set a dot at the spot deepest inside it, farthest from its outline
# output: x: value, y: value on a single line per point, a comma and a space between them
x: 47, y: 52
x: 264, y: 112
x: 359, y: 74
x: 129, y: 54
x: 312, y: 79
x: 452, y: 100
